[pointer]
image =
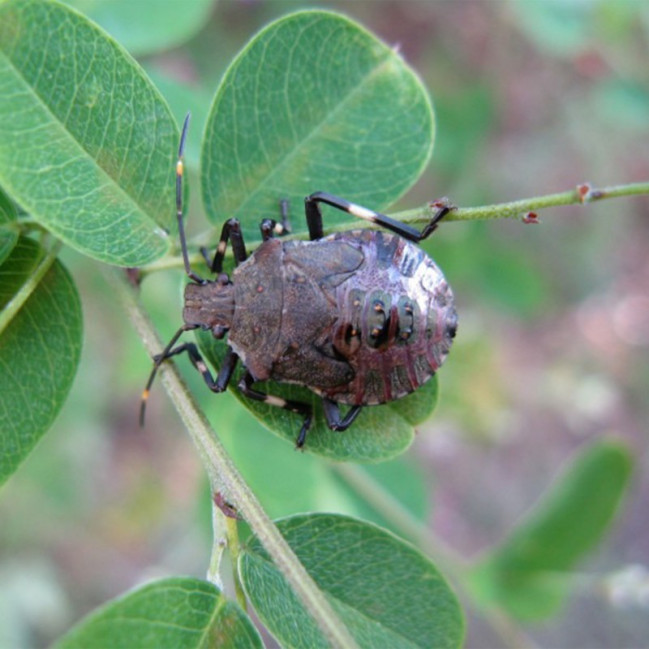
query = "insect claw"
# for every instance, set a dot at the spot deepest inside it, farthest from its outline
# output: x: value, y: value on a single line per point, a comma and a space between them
x: 301, y: 438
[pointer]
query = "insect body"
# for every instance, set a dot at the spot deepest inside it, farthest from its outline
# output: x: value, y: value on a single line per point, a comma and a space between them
x: 360, y: 317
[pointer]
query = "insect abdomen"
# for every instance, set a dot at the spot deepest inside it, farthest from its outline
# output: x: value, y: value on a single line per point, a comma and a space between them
x: 396, y: 320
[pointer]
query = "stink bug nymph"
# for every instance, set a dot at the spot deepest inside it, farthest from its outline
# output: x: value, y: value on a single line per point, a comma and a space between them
x: 360, y: 317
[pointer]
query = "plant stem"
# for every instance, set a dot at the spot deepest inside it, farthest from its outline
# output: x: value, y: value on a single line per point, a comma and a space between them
x: 511, y: 210
x: 226, y: 479
x: 219, y: 543
x: 519, y: 209
x: 232, y: 531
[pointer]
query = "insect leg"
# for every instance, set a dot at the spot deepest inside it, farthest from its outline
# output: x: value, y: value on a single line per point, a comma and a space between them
x: 269, y: 227
x: 334, y: 419
x: 216, y: 385
x: 304, y: 409
x: 232, y: 231
x: 225, y: 371
x: 157, y: 361
x: 314, y: 216
x: 205, y: 253
x: 284, y: 226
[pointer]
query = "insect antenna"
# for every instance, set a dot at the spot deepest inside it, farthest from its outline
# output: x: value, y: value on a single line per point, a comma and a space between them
x: 168, y: 350
x: 180, y: 170
x: 166, y: 353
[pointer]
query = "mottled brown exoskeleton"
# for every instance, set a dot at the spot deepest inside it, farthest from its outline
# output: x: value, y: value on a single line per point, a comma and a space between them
x: 361, y: 317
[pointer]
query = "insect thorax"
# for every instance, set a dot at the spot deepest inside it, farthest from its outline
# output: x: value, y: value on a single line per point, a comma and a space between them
x: 396, y: 320
x: 210, y: 305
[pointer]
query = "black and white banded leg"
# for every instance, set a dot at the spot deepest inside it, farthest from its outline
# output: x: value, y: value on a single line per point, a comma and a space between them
x: 231, y: 232
x: 314, y: 216
x: 304, y: 409
x: 284, y: 225
x: 270, y: 227
x: 218, y: 384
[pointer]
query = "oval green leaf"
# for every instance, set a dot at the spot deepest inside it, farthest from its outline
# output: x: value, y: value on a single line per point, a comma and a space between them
x: 379, y: 433
x: 8, y: 231
x: 313, y: 103
x: 399, y: 482
x: 528, y: 573
x: 87, y: 144
x: 147, y: 26
x: 178, y: 612
x: 40, y: 344
x: 385, y: 591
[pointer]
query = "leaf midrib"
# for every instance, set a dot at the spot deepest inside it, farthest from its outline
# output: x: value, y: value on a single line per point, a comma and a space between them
x: 344, y: 605
x: 85, y: 153
x: 314, y: 132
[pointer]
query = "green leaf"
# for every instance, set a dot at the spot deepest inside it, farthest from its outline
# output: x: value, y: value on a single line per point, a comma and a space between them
x: 40, y: 344
x: 375, y: 490
x: 272, y: 470
x: 528, y: 574
x: 87, y: 144
x: 183, y: 98
x: 313, y: 103
x: 8, y: 233
x: 270, y: 467
x: 147, y: 26
x: 178, y: 612
x: 379, y: 432
x: 384, y: 590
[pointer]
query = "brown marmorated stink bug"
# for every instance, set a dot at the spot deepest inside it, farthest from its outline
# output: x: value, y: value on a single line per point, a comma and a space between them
x: 360, y: 317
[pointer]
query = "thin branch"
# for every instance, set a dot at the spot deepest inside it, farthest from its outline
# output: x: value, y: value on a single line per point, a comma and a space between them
x: 526, y: 208
x: 232, y: 529
x: 226, y: 479
x: 219, y: 543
